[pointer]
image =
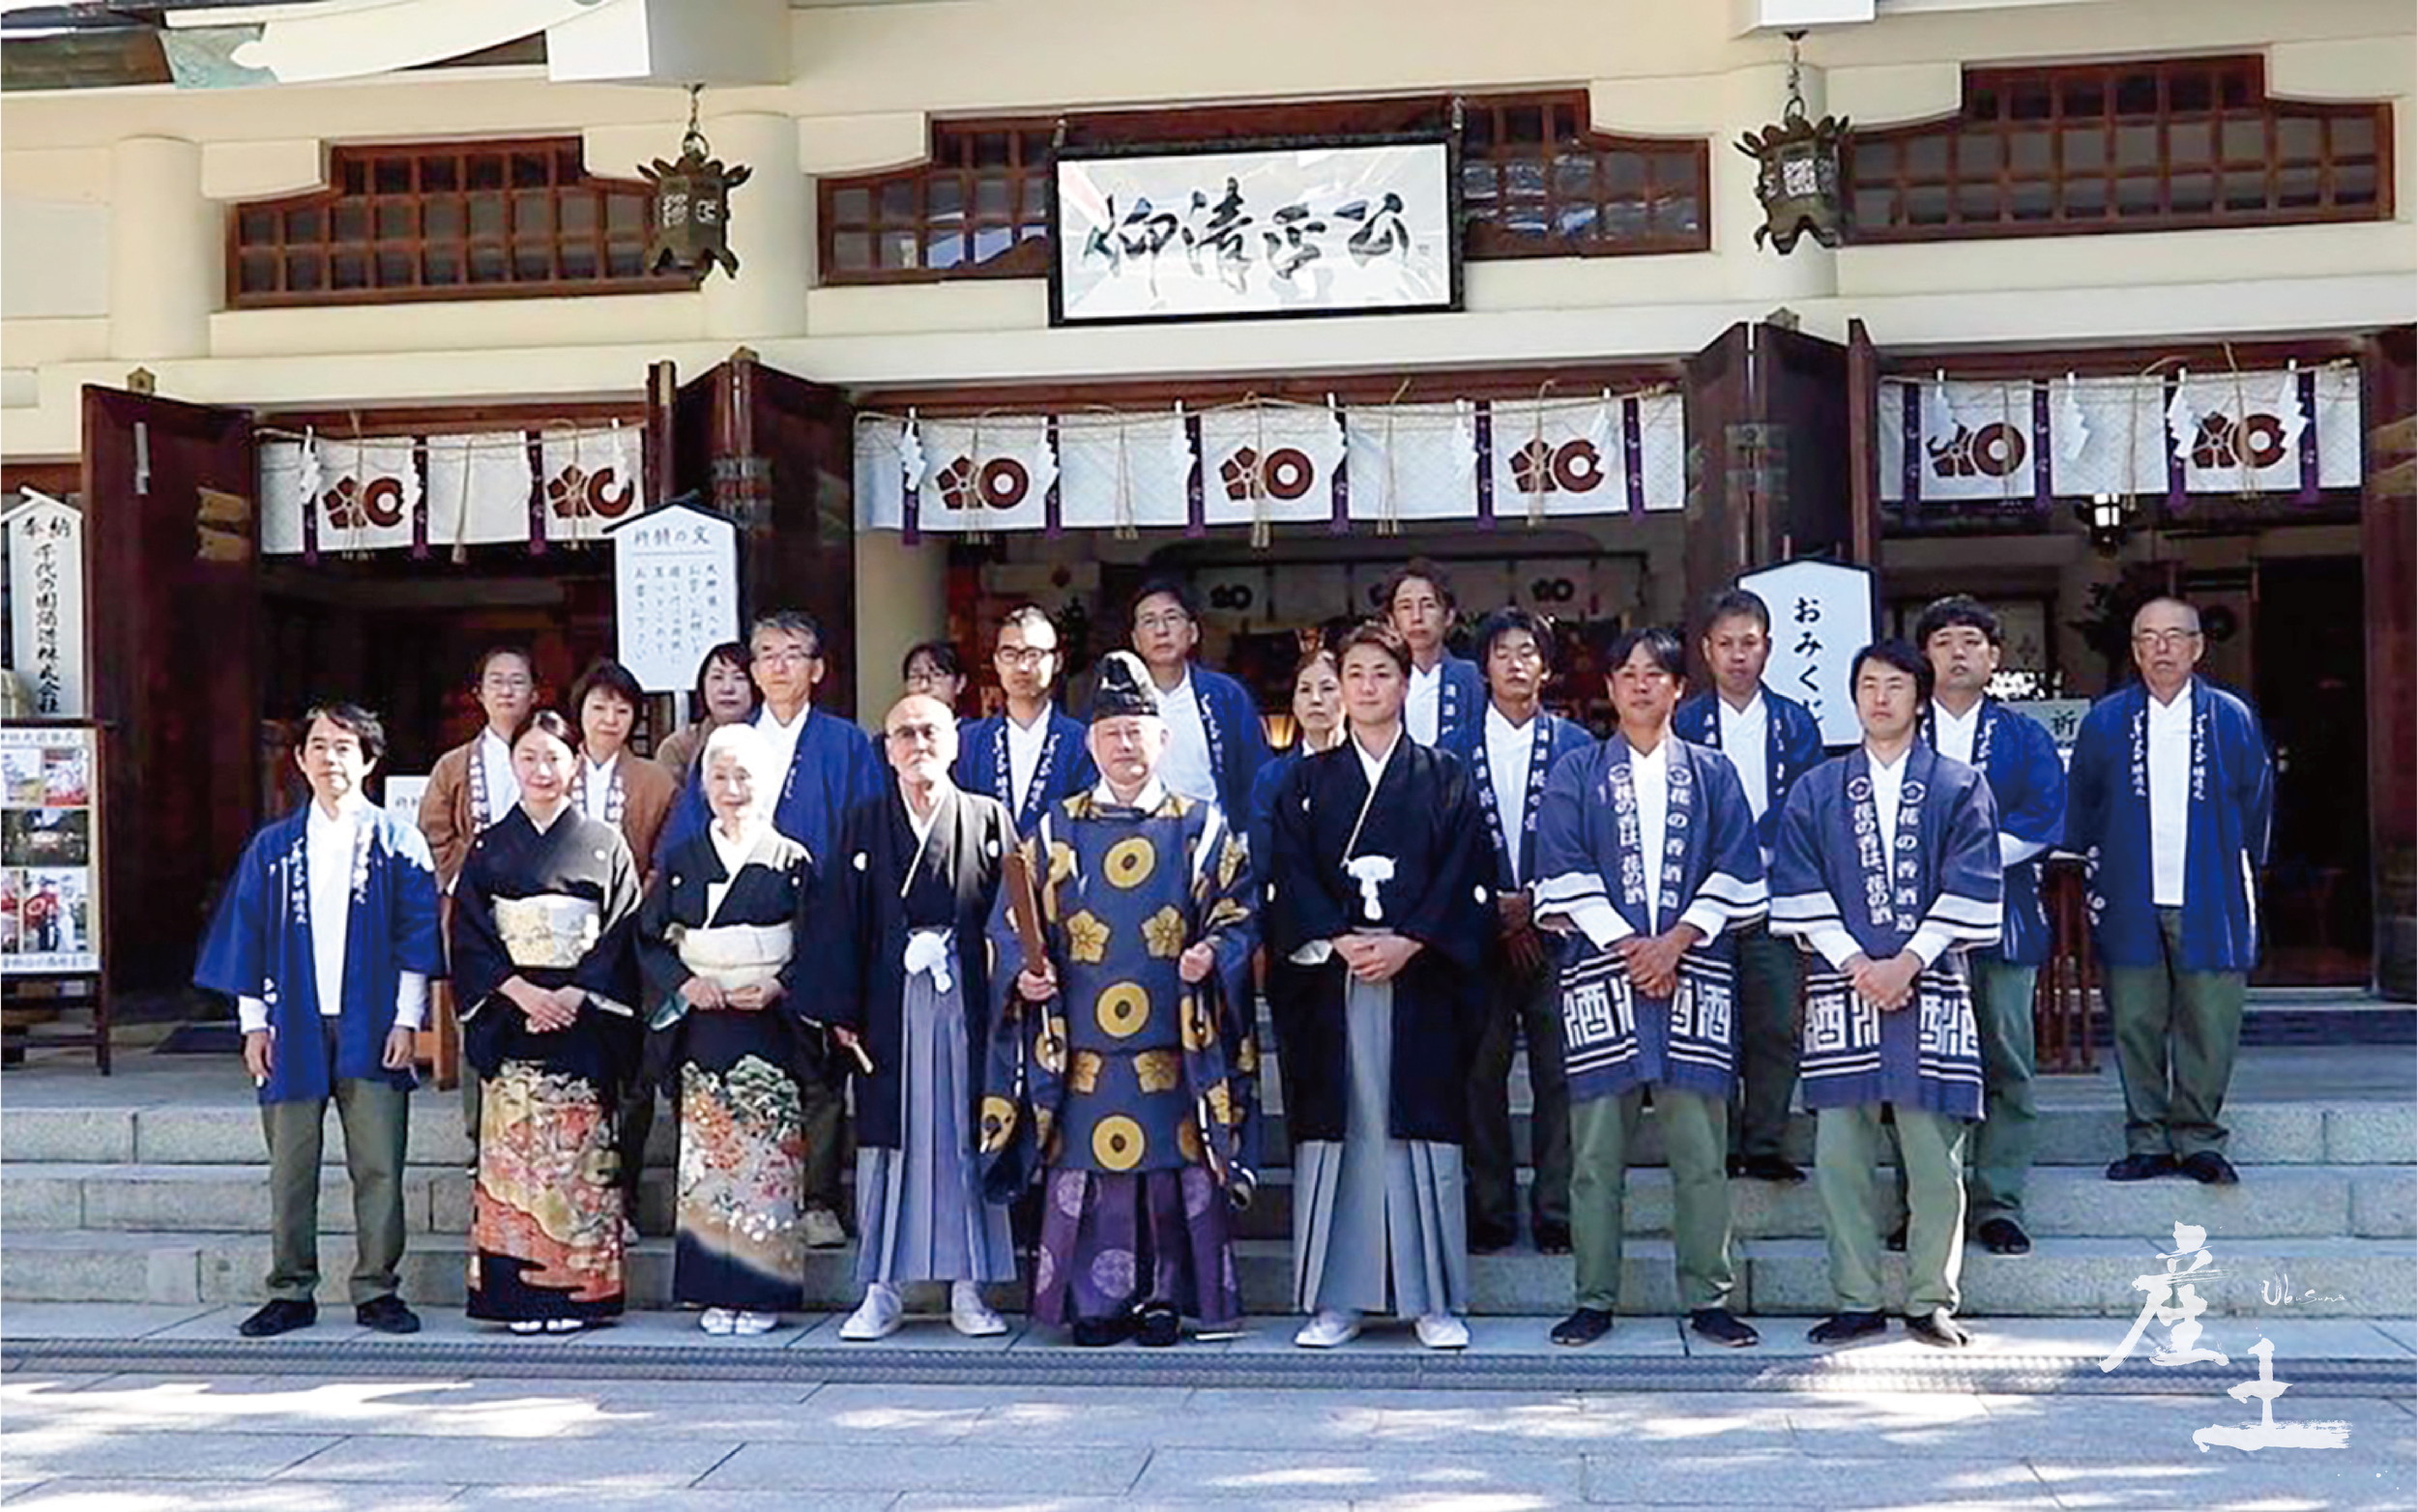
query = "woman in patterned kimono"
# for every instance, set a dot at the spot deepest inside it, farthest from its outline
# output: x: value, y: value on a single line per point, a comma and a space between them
x: 541, y: 930
x: 718, y: 940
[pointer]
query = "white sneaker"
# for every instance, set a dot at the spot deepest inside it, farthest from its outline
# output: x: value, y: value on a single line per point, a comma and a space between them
x: 1442, y: 1331
x: 527, y: 1326
x: 1329, y: 1329
x: 877, y: 1317
x: 824, y: 1230
x: 717, y: 1321
x: 969, y: 1315
x: 745, y: 1324
x: 565, y: 1324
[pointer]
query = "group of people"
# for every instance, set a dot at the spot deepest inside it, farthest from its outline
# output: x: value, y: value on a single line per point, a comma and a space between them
x: 1029, y: 950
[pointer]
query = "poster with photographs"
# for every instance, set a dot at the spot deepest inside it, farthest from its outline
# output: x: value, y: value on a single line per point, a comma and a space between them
x: 50, y: 851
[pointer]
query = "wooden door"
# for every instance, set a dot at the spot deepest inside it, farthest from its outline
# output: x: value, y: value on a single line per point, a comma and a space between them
x: 1769, y: 455
x: 2388, y: 548
x: 776, y: 452
x: 170, y: 493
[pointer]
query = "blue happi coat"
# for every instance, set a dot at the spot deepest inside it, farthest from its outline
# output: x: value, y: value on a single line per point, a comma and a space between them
x: 2026, y: 777
x: 1460, y: 701
x: 259, y: 947
x: 836, y: 767
x: 1590, y: 853
x: 1792, y: 742
x: 1065, y: 768
x: 1514, y: 836
x: 2231, y: 812
x: 1238, y: 742
x: 1830, y: 873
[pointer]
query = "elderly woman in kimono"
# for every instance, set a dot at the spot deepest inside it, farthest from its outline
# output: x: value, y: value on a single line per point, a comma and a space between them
x: 720, y: 940
x: 542, y: 970
x: 1379, y: 903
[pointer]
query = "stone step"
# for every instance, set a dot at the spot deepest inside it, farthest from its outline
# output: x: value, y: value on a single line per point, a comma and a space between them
x: 2365, y: 1202
x: 2064, y: 1278
x: 2264, y: 1134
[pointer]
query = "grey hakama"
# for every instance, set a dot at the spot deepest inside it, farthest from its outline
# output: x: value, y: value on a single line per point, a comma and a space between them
x: 919, y: 1210
x: 1378, y: 1223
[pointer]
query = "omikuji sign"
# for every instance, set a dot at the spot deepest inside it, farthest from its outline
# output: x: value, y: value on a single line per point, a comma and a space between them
x: 1821, y: 616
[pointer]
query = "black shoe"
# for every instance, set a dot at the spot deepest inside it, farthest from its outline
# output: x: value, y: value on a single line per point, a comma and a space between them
x: 1490, y: 1240
x: 1721, y: 1326
x: 2003, y: 1236
x: 1895, y: 1241
x: 1736, y: 1168
x: 386, y: 1315
x: 1846, y: 1328
x: 2211, y: 1169
x: 1093, y: 1333
x: 1769, y: 1168
x: 1552, y: 1238
x: 282, y: 1315
x: 1939, y: 1329
x: 1158, y: 1325
x: 2142, y: 1168
x: 1582, y: 1327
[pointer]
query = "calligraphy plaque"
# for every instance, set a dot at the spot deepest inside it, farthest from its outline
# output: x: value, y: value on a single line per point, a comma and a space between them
x: 1236, y: 231
x: 46, y: 604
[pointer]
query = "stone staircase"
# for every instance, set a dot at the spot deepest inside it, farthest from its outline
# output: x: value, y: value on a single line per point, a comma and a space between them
x: 152, y: 1187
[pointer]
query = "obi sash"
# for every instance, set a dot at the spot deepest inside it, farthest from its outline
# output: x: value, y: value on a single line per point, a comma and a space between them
x: 551, y: 931
x: 731, y: 956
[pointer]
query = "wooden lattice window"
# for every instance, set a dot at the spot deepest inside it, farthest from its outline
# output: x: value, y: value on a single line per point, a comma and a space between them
x: 980, y: 208
x: 446, y: 220
x: 1537, y: 181
x: 2171, y: 144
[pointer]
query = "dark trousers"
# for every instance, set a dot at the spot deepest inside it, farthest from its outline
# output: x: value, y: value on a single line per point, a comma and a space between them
x: 824, y: 1104
x: 1768, y: 987
x: 377, y: 1127
x: 1530, y: 1008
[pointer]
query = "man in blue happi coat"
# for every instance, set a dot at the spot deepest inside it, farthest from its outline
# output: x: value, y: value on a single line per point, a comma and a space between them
x: 326, y: 939
x: 1446, y: 693
x: 1887, y: 870
x: 1510, y: 752
x: 1960, y: 638
x: 1031, y: 755
x: 831, y: 767
x: 1216, y: 742
x: 1646, y: 853
x: 2172, y: 796
x: 1772, y: 741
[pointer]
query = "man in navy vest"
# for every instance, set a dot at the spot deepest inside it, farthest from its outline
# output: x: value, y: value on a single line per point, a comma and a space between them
x: 1772, y: 741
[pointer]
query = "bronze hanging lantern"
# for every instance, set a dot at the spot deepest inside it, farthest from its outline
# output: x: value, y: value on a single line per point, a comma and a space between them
x: 691, y: 230
x: 1802, y: 180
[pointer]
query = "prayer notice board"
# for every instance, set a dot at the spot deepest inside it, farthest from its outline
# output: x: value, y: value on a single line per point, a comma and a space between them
x: 674, y: 593
x: 49, y: 849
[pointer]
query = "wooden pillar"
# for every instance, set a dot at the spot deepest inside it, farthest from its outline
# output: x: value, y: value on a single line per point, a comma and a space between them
x: 2388, y: 547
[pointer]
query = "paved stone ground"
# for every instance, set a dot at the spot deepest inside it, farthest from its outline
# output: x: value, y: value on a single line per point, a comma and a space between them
x: 466, y: 1438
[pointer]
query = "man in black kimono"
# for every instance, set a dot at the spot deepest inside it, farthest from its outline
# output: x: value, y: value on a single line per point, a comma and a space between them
x: 907, y: 973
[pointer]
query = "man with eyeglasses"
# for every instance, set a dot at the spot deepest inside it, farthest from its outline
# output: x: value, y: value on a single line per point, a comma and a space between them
x: 1215, y: 745
x: 471, y: 787
x: 831, y: 767
x: 2170, y: 803
x: 1031, y: 755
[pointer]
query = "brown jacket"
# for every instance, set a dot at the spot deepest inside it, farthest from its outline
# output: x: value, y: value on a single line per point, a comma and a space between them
x: 445, y: 815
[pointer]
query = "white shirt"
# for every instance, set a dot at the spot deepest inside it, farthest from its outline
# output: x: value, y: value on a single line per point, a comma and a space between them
x: 1957, y: 740
x: 1952, y: 737
x: 1152, y: 794
x: 1185, y: 767
x: 2169, y: 797
x: 1424, y: 711
x: 327, y: 843
x: 1745, y: 739
x: 598, y: 791
x: 1606, y: 925
x: 503, y: 787
x: 782, y: 739
x: 1508, y: 750
x: 1024, y: 744
x: 1837, y: 945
